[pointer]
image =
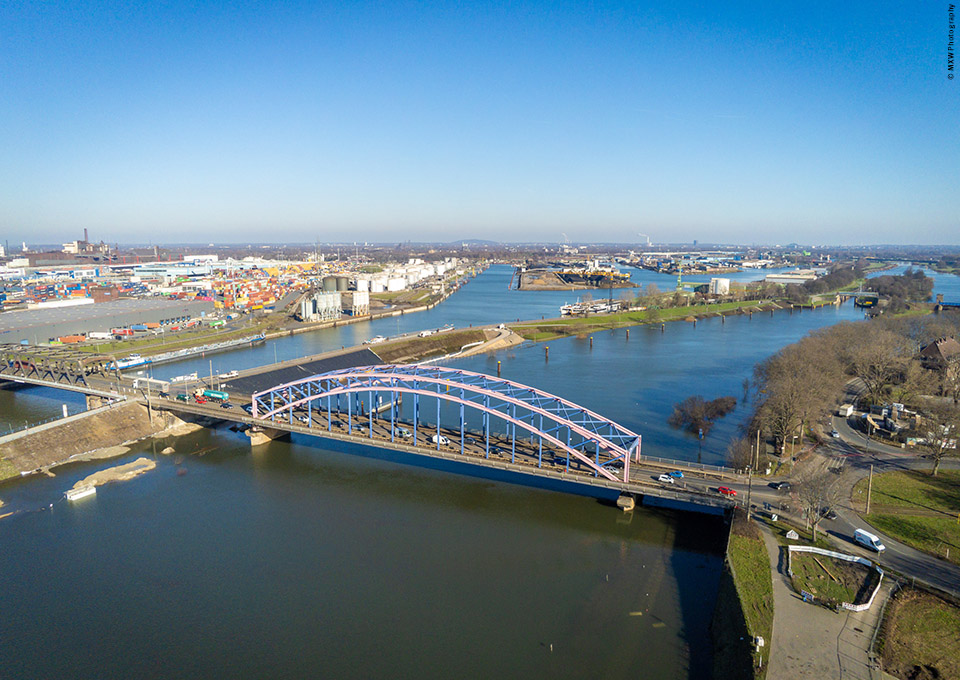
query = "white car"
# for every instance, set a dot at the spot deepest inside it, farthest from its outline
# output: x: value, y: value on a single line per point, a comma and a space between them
x: 439, y: 438
x: 404, y: 432
x: 667, y: 479
x: 835, y: 434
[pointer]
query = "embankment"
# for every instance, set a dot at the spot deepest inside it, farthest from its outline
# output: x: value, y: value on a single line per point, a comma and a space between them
x: 102, y: 433
x: 744, y: 607
x: 549, y: 329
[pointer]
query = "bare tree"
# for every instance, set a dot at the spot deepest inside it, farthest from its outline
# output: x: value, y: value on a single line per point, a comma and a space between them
x: 739, y: 454
x: 878, y: 359
x: 941, y: 427
x: 817, y: 491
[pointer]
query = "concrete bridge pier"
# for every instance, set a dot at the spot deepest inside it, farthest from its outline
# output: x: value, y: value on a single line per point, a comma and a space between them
x: 263, y: 435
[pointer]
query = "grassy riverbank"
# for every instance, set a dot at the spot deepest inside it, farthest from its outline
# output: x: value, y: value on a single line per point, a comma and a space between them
x: 744, y: 606
x: 555, y: 328
x: 916, y: 508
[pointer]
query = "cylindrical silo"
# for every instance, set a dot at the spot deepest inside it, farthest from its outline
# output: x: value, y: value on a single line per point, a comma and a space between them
x: 329, y: 284
x: 343, y: 284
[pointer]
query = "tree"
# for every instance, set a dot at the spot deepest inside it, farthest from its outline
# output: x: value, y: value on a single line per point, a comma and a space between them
x: 940, y: 426
x: 695, y: 413
x: 878, y: 359
x: 817, y: 491
x: 739, y: 454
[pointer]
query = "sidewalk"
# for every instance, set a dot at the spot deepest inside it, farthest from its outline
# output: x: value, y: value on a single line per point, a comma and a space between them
x: 813, y: 642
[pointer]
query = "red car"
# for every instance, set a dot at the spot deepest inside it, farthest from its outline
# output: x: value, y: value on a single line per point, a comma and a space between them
x: 726, y: 491
x: 200, y: 400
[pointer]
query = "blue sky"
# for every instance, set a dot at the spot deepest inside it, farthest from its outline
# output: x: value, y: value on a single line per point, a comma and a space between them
x: 756, y: 122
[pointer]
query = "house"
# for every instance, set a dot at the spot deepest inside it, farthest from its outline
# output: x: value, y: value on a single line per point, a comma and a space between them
x: 940, y: 353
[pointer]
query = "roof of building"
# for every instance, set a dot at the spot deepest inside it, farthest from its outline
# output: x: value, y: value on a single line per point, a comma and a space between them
x: 942, y: 349
x: 17, y: 320
x: 264, y: 381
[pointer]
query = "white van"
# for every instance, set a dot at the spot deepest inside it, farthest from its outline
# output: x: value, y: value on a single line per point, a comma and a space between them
x: 439, y: 439
x: 868, y: 540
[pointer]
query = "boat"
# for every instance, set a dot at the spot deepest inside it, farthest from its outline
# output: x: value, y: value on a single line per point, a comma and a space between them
x: 599, y: 307
x: 82, y: 492
x: 130, y: 361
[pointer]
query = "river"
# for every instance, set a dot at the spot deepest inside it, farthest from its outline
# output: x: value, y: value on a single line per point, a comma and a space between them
x: 305, y: 559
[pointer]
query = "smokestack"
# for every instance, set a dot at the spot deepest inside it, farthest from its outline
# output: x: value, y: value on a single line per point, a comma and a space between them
x: 85, y: 239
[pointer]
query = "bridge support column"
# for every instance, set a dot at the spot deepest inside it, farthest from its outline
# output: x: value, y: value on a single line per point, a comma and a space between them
x: 264, y: 435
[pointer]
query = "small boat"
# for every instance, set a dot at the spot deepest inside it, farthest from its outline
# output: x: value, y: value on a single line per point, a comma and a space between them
x: 82, y: 492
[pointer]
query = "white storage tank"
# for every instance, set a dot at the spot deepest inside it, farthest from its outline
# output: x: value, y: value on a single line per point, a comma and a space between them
x: 363, y: 284
x: 396, y: 284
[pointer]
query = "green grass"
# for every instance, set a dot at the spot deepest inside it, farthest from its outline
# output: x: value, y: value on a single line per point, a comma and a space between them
x: 8, y: 470
x: 809, y: 576
x: 750, y: 564
x: 547, y: 330
x: 931, y: 534
x: 921, y: 630
x: 913, y: 489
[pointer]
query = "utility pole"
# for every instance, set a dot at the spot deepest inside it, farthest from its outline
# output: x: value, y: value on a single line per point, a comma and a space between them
x: 749, y: 489
x: 869, y: 488
x: 758, y: 448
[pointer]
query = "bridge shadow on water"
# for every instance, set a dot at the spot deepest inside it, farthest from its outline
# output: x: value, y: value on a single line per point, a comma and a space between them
x: 667, y: 593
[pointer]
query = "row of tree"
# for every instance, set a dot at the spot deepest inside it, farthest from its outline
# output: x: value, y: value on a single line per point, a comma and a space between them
x: 805, y: 379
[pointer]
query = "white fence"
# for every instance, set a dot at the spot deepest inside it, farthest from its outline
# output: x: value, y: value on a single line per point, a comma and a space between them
x: 840, y: 556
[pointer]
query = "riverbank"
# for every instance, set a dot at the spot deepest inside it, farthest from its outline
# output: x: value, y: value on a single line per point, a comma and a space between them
x: 744, y: 607
x: 548, y: 329
x: 93, y: 435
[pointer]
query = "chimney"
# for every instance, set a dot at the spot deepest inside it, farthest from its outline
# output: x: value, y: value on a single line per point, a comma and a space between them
x: 85, y: 239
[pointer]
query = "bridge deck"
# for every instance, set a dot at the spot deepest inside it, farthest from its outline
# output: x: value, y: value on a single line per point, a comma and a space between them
x: 525, y: 461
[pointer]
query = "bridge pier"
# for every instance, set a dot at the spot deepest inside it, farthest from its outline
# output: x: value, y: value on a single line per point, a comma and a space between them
x: 263, y: 435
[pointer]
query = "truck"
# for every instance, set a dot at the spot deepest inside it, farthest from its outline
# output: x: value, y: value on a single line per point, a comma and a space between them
x: 845, y: 410
x: 215, y: 395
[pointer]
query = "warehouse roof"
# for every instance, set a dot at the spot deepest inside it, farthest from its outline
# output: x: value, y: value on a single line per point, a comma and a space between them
x: 10, y: 321
x: 280, y: 376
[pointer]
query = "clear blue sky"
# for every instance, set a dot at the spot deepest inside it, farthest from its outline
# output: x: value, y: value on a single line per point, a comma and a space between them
x: 764, y: 122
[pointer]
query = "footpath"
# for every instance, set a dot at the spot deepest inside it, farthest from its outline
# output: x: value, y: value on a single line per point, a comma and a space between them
x: 811, y: 642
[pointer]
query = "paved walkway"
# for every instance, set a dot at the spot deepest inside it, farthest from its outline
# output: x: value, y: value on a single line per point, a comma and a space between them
x: 810, y: 641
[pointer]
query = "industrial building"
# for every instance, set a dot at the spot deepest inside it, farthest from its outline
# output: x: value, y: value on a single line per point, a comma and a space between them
x: 43, y: 325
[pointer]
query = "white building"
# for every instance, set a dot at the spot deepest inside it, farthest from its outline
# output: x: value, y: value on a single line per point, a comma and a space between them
x: 719, y: 286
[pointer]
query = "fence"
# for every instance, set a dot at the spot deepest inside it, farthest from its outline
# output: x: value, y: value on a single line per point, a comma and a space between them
x: 840, y: 556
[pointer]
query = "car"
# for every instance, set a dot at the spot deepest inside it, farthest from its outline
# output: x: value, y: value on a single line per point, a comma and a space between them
x: 830, y: 514
x: 404, y: 432
x: 781, y: 486
x: 676, y: 474
x: 727, y: 491
x: 439, y: 439
x: 248, y: 408
x: 303, y: 419
x: 164, y: 395
x: 667, y: 479
x: 200, y: 399
x: 226, y: 404
x: 835, y: 434
x: 182, y: 397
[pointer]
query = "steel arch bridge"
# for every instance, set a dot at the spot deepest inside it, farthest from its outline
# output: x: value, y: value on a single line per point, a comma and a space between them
x: 571, y: 433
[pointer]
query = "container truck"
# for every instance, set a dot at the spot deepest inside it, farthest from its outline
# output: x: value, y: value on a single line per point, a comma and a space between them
x: 216, y: 395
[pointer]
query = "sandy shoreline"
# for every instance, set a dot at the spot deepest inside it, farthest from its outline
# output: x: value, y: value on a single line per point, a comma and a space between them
x: 120, y: 473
